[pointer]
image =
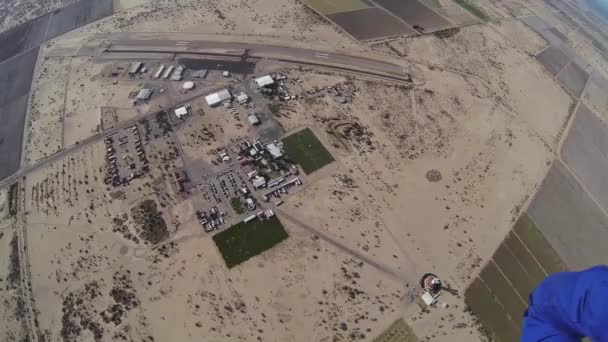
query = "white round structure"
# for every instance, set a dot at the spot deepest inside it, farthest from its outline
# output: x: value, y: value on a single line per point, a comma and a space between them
x: 188, y: 85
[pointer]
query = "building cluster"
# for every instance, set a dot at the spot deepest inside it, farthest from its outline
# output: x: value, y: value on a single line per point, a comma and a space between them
x: 267, y: 167
x: 125, y: 156
x: 167, y: 72
x: 161, y: 72
x: 274, y: 85
x: 261, y: 215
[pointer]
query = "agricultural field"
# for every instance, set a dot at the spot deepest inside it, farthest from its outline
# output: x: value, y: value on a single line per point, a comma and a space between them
x: 243, y: 241
x: 399, y: 331
x: 476, y: 11
x: 499, y: 295
x: 307, y: 151
x: 476, y: 170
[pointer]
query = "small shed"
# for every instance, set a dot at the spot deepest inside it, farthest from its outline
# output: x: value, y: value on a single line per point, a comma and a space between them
x: 242, y: 98
x: 144, y: 94
x: 253, y: 119
x: 181, y: 112
x: 258, y: 182
x: 135, y: 67
x: 264, y: 81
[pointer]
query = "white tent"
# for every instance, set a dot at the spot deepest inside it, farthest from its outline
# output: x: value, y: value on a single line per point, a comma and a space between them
x: 264, y: 81
x: 217, y: 98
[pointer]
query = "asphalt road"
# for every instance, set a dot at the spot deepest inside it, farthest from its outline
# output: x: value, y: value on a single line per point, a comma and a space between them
x: 349, y: 63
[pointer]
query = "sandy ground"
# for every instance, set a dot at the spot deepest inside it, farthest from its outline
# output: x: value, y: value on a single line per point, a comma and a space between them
x: 379, y: 201
x: 45, y: 128
x: 258, y: 19
x: 523, y: 83
x: 13, y: 327
x: 521, y: 36
x: 182, y: 289
x: 427, y: 179
x: 202, y: 136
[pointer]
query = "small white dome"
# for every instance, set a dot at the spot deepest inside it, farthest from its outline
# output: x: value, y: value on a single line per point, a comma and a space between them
x: 188, y: 85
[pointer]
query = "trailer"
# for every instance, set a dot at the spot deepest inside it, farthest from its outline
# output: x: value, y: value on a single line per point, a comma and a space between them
x: 159, y: 71
x: 168, y: 72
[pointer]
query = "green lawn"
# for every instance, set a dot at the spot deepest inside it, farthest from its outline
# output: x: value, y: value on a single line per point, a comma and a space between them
x: 246, y: 240
x: 474, y: 10
x: 237, y: 205
x: 307, y: 151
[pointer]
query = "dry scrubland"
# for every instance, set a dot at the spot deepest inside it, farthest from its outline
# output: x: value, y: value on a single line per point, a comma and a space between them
x: 88, y: 273
x: 11, y: 311
x: 521, y: 36
x: 44, y: 129
x: 526, y: 88
x: 425, y: 178
x: 430, y: 177
x: 260, y: 19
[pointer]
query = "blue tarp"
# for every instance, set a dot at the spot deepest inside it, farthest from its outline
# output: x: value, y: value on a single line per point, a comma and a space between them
x: 568, y: 306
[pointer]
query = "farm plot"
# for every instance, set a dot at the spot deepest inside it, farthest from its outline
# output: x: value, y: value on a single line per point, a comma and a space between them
x: 243, y: 241
x: 306, y: 150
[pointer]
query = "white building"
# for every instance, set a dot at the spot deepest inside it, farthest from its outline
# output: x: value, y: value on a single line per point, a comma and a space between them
x: 264, y: 81
x: 253, y: 119
x: 135, y: 67
x: 159, y: 71
x: 217, y: 98
x: 242, y: 98
x: 258, y: 182
x: 144, y: 94
x: 168, y: 71
x: 181, y: 112
x: 274, y: 150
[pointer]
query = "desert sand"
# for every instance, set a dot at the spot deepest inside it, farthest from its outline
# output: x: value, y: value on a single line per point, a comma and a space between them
x: 427, y: 177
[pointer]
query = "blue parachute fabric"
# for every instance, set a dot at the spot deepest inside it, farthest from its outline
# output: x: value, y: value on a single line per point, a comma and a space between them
x: 568, y: 306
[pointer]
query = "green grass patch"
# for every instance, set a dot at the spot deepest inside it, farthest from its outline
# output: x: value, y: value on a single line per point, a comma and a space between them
x: 237, y: 205
x: 474, y: 10
x: 307, y: 151
x: 326, y: 7
x: 246, y: 240
x: 399, y: 331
